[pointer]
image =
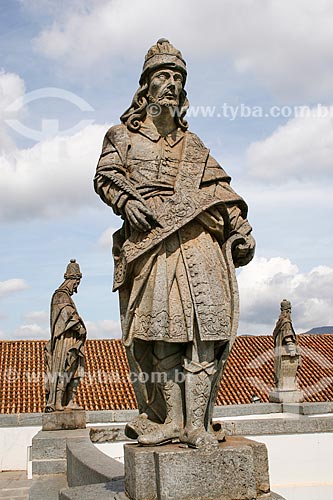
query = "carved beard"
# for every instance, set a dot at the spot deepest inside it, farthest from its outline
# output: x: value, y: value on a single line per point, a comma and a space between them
x: 163, y: 101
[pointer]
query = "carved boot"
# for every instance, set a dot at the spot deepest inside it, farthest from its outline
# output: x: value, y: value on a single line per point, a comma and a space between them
x: 170, y: 429
x: 198, y: 384
x: 72, y: 388
x: 139, y: 425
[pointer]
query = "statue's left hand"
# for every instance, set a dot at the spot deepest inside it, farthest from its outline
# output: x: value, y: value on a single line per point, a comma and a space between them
x: 243, y: 253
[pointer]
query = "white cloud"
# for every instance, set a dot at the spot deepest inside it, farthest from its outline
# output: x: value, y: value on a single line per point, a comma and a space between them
x: 7, y: 288
x: 286, y: 45
x: 11, y: 88
x: 39, y: 317
x: 105, y: 240
x: 12, y: 286
x: 35, y: 328
x: 52, y: 177
x: 59, y: 8
x: 107, y: 328
x: 265, y: 282
x: 31, y: 331
x: 301, y: 149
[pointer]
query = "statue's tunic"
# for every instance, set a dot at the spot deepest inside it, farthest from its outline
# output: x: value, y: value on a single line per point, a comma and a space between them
x: 182, y: 281
x: 283, y: 330
x: 65, y: 350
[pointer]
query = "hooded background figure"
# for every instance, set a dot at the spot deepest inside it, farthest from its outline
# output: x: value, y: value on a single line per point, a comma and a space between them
x: 64, y: 353
x: 184, y: 232
x: 286, y: 350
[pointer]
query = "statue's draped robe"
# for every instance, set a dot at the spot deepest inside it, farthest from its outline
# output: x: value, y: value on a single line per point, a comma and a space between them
x: 65, y: 351
x: 182, y: 283
x: 283, y: 329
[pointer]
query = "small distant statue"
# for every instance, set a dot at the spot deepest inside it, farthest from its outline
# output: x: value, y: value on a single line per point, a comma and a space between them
x: 64, y: 353
x: 286, y: 357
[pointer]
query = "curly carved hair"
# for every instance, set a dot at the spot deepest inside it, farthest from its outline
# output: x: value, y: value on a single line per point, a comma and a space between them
x: 137, y: 112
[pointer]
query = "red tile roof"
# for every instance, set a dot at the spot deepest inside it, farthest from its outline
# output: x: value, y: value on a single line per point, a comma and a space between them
x: 106, y: 385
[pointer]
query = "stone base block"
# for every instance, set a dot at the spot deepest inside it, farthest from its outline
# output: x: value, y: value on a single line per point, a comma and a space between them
x: 236, y: 470
x: 64, y: 420
x: 111, y: 491
x: 286, y: 396
x: 47, y: 467
x: 49, y: 451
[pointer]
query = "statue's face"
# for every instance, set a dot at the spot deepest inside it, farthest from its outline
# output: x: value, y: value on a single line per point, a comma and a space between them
x: 76, y: 285
x: 165, y: 86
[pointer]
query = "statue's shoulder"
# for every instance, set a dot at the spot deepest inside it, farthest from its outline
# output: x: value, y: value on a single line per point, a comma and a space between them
x: 281, y: 325
x: 194, y: 139
x: 60, y: 296
x: 213, y: 170
x: 118, y: 134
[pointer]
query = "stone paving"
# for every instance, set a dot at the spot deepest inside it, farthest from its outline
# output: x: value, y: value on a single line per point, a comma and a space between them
x: 14, y: 485
x: 47, y: 487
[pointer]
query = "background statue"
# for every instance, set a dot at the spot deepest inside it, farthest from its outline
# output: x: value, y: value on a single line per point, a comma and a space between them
x: 184, y: 232
x: 64, y: 353
x: 286, y: 351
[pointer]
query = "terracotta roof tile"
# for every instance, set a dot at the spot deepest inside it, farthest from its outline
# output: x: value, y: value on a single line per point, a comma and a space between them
x: 107, y: 386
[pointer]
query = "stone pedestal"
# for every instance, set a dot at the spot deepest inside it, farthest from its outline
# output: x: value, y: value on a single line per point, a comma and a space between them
x: 49, y: 451
x: 286, y: 396
x: 236, y: 470
x: 64, y: 420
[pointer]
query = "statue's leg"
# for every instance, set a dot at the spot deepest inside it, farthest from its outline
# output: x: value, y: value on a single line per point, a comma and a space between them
x: 222, y: 349
x: 60, y: 394
x: 50, y: 390
x: 168, y: 374
x: 150, y: 402
x: 199, y: 370
x: 71, y: 391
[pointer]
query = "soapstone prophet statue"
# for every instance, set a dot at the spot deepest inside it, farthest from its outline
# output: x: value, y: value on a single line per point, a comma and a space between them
x: 64, y: 353
x: 286, y: 350
x: 185, y: 230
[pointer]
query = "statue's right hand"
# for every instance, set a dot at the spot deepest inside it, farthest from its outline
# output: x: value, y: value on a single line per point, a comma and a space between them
x: 137, y: 213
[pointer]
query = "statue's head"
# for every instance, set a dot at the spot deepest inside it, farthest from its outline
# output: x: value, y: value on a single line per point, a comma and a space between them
x: 161, y: 83
x: 285, y: 305
x: 163, y: 55
x: 73, y: 275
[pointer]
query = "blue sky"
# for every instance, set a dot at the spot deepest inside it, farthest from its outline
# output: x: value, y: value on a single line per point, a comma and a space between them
x: 69, y: 69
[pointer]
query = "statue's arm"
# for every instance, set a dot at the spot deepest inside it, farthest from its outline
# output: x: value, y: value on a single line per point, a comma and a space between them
x: 67, y: 319
x: 79, y: 328
x: 289, y: 338
x: 109, y: 177
x: 244, y: 252
x: 113, y: 186
x: 235, y: 220
x: 72, y: 320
